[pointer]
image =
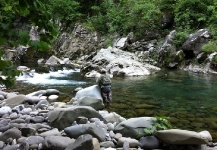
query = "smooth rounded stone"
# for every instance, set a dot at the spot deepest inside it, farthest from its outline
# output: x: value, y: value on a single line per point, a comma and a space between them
x: 28, y: 131
x: 24, y: 146
x: 26, y: 111
x: 38, y: 126
x: 11, y: 95
x: 206, y: 135
x: 2, y: 97
x: 117, y: 136
x: 110, y: 126
x: 63, y: 117
x: 113, y: 117
x: 178, y: 136
x: 134, y: 127
x: 34, y: 113
x: 96, y: 144
x: 92, y: 91
x: 21, y: 140
x: 37, y: 93
x: 43, y: 97
x: 4, y: 128
x: 83, y: 142
x: 53, y: 132
x: 149, y: 142
x: 4, y: 122
x: 32, y: 99
x: 52, y: 92
x: 17, y: 125
x: 37, y: 119
x: 34, y: 140
x: 101, y: 124
x: 111, y: 134
x: 57, y: 142
x: 107, y: 144
x: 24, y: 116
x: 15, y: 100
x: 93, y: 102
x: 18, y: 121
x: 13, y: 133
x: 1, y: 144
x: 5, y: 110
x: 11, y: 147
x: 126, y: 145
x: 33, y: 146
x: 41, y: 104
x: 92, y: 129
x: 132, y: 142
x: 13, y: 116
x: 4, y: 94
x: 52, y: 98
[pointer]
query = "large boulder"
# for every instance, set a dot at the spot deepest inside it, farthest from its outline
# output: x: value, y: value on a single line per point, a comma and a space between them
x: 97, y: 104
x: 57, y: 142
x: 63, y: 117
x: 92, y: 129
x: 167, y: 51
x: 90, y: 96
x: 16, y: 100
x: 121, y: 63
x: 92, y: 91
x: 134, y: 127
x: 192, y: 47
x: 178, y: 136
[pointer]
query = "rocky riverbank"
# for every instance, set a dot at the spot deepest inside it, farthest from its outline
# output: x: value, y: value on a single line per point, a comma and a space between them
x: 37, y: 121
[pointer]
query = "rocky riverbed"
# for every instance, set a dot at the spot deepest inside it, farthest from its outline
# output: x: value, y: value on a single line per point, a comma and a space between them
x: 37, y: 121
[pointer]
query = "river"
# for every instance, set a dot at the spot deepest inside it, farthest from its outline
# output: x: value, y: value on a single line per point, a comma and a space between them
x: 189, y: 99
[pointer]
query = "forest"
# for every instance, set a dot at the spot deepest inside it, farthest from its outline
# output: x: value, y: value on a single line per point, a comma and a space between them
x: 145, y: 18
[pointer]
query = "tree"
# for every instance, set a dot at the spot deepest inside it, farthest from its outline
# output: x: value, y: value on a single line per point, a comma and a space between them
x: 16, y: 18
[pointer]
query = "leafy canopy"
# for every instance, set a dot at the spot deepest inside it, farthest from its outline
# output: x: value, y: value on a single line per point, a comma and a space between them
x: 16, y: 19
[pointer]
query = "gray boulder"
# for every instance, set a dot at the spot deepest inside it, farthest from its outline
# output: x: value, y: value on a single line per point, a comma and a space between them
x: 149, y: 142
x: 92, y: 91
x: 57, y: 142
x: 63, y: 117
x: 83, y: 142
x: 178, y: 136
x: 97, y: 104
x: 92, y: 129
x: 13, y: 133
x: 34, y: 140
x: 134, y: 127
x: 16, y: 100
x: 196, y: 41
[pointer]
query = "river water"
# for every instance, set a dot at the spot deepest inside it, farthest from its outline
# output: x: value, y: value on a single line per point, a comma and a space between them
x: 189, y: 99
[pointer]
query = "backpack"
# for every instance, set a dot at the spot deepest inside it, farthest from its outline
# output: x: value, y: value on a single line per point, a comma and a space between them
x: 105, y: 80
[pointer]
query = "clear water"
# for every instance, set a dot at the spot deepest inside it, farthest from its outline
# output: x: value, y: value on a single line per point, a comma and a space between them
x: 189, y: 99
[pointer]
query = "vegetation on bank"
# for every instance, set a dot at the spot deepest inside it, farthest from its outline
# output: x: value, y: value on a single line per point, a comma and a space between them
x: 146, y: 19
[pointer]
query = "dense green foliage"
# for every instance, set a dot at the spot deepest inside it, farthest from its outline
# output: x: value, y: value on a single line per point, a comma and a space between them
x: 147, y: 19
x: 16, y: 19
x: 162, y: 123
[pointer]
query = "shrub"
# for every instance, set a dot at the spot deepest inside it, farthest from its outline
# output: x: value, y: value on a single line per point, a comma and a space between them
x: 162, y: 123
x: 210, y: 47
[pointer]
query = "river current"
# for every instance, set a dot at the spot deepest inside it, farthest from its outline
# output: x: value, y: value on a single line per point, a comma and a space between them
x: 189, y: 99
